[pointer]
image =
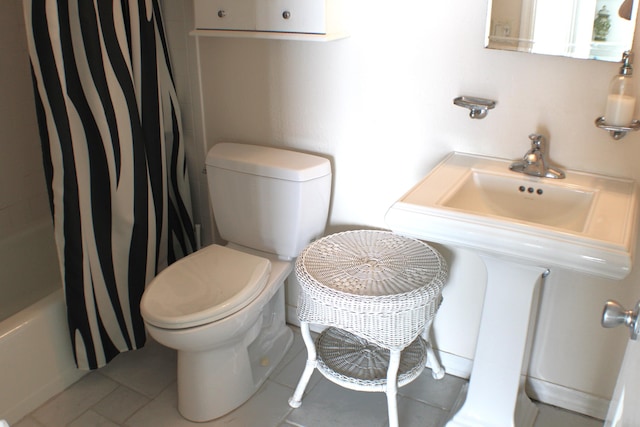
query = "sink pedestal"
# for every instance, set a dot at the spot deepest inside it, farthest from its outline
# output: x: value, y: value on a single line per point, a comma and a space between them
x: 495, y: 396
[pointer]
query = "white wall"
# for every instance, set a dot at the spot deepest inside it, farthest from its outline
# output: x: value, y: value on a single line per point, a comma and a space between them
x: 23, y: 196
x: 379, y: 105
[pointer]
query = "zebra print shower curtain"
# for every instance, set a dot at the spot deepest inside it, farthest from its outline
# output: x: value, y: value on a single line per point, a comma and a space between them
x: 110, y: 128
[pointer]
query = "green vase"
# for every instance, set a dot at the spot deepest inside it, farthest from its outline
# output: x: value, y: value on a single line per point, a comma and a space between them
x: 601, y: 25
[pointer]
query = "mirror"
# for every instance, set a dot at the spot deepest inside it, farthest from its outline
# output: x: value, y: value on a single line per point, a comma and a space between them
x: 589, y: 29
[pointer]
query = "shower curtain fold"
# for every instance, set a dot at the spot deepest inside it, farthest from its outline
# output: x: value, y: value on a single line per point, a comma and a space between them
x: 111, y: 134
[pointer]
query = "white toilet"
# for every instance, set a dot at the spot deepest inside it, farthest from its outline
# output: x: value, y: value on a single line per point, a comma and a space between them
x: 222, y: 307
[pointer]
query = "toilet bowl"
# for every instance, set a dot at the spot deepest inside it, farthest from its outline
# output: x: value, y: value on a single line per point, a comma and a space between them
x: 222, y: 308
x: 234, y: 341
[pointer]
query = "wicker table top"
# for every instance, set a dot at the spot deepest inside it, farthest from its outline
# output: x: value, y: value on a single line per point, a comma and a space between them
x: 376, y: 284
x: 371, y: 263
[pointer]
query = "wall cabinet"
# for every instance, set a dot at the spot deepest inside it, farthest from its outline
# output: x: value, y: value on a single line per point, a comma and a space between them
x: 282, y: 19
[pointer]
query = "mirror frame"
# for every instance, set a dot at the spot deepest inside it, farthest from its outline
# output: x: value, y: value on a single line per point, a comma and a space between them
x: 529, y: 27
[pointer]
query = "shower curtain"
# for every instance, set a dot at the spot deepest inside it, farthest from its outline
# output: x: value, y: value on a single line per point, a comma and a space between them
x: 114, y: 160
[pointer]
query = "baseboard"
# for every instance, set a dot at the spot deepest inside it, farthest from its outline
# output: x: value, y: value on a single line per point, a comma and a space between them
x: 455, y: 365
x: 537, y: 389
x: 291, y: 316
x: 567, y: 398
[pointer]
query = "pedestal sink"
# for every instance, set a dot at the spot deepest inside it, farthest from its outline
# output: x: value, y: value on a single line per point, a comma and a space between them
x: 522, y: 227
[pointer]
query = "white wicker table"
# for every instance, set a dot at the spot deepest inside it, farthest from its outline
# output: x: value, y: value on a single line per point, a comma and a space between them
x: 378, y: 292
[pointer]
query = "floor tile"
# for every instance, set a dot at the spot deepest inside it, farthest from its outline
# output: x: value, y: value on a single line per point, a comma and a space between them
x: 329, y: 404
x: 148, y: 370
x: 120, y: 404
x: 550, y: 416
x: 92, y: 419
x: 412, y: 413
x: 27, y: 421
x: 268, y: 407
x: 74, y: 401
x: 161, y: 412
x: 439, y: 393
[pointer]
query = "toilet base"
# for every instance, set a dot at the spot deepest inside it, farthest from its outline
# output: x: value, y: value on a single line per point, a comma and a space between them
x: 214, y: 383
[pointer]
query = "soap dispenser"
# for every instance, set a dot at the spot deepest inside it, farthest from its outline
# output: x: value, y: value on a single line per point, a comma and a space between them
x: 621, y: 101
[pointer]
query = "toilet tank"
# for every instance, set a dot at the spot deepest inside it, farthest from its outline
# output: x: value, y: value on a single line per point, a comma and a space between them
x: 268, y: 199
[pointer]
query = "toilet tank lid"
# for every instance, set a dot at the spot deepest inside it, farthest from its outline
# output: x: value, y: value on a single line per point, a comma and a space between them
x: 268, y: 161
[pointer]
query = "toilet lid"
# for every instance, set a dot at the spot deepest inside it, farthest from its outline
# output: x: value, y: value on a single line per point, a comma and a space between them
x: 203, y: 287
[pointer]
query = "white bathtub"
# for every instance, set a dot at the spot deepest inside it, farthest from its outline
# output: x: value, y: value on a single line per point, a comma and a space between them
x: 36, y: 361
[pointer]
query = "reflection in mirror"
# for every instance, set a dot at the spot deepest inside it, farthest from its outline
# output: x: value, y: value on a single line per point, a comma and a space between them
x: 593, y: 29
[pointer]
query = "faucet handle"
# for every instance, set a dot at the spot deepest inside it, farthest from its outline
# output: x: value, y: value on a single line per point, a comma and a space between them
x: 536, y: 140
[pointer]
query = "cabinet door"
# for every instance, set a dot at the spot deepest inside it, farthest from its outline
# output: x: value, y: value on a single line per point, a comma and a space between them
x: 225, y: 14
x: 292, y: 16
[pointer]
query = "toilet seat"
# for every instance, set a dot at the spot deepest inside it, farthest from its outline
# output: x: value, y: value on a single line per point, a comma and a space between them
x: 206, y: 286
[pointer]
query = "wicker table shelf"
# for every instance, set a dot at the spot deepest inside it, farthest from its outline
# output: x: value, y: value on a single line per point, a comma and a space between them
x: 378, y: 293
x: 346, y: 358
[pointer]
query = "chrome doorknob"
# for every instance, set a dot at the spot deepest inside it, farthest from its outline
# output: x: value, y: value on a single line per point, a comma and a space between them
x: 614, y: 314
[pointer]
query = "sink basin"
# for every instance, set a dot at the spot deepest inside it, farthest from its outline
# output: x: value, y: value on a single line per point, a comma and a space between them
x: 585, y: 222
x: 511, y: 197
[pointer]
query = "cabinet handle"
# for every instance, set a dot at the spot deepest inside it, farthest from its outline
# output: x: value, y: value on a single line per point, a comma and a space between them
x: 222, y: 13
x: 286, y: 14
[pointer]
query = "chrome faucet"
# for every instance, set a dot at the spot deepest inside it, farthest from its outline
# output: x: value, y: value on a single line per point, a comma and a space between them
x: 534, y: 162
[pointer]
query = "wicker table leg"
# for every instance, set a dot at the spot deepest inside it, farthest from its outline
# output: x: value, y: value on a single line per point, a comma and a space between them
x: 312, y: 362
x: 392, y: 387
x: 437, y: 370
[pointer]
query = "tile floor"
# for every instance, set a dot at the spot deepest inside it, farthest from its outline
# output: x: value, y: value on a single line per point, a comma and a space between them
x: 138, y: 389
